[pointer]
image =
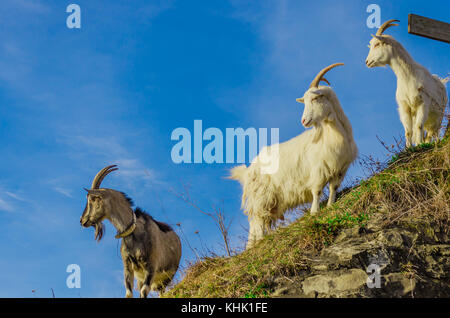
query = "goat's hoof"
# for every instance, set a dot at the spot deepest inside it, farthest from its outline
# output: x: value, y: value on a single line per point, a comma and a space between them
x: 129, y: 295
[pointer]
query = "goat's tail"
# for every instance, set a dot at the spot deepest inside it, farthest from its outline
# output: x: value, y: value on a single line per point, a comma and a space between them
x: 445, y: 81
x: 238, y: 173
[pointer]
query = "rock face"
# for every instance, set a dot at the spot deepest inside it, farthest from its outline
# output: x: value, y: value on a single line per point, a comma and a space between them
x: 406, y: 260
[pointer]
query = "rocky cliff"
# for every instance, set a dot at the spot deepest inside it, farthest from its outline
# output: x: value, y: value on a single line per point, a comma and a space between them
x: 412, y: 260
x: 388, y: 236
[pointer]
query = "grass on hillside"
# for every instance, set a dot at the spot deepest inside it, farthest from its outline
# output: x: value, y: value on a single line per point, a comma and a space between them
x: 415, y: 185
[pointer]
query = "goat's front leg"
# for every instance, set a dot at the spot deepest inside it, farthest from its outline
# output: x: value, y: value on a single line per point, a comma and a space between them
x: 145, y: 289
x: 129, y: 278
x: 405, y: 118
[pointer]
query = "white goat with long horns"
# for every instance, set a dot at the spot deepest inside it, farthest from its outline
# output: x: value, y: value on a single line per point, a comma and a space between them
x: 421, y: 97
x: 306, y: 163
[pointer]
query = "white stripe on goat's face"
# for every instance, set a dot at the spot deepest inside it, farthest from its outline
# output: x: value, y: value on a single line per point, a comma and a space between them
x: 95, y: 210
x: 317, y: 107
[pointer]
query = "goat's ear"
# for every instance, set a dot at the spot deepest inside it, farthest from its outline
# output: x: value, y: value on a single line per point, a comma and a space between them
x: 300, y: 100
x: 380, y: 38
x: 94, y: 192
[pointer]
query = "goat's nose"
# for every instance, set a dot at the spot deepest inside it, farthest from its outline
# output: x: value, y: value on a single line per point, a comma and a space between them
x: 367, y: 62
x: 303, y: 120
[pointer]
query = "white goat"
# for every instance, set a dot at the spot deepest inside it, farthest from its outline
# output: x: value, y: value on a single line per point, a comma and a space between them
x: 421, y: 97
x: 306, y: 163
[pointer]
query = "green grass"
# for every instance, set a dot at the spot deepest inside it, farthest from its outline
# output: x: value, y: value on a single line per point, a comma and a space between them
x: 332, y: 224
x: 414, y: 190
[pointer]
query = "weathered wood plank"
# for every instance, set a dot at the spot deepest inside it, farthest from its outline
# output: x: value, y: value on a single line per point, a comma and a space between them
x: 429, y: 28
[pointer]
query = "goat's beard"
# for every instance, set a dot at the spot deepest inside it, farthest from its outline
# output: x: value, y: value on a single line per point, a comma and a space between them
x: 99, y: 228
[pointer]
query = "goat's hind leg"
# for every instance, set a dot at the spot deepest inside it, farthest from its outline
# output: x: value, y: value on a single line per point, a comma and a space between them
x: 139, y: 285
x: 256, y: 231
x: 420, y: 118
x: 418, y: 131
x: 405, y: 118
x: 161, y: 288
x: 432, y: 134
x: 333, y: 186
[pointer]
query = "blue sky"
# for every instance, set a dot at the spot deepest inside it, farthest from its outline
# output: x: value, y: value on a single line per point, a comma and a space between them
x: 75, y: 100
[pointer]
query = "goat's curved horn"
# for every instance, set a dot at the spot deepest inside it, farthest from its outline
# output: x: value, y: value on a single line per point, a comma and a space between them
x: 318, y: 78
x: 101, y: 175
x: 323, y: 79
x: 386, y: 25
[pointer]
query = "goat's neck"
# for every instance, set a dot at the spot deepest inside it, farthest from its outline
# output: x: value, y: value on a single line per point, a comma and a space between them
x: 121, y: 215
x: 337, y: 127
x: 324, y: 128
x: 336, y: 134
x: 403, y: 66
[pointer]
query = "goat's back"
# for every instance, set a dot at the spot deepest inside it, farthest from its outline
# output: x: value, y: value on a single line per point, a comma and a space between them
x: 161, y: 241
x: 167, y: 246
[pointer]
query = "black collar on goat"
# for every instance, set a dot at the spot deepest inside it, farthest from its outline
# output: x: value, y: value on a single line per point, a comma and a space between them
x: 129, y: 230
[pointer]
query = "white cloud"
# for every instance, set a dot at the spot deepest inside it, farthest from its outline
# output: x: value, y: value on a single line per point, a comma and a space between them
x: 32, y: 6
x: 135, y: 169
x: 295, y: 43
x: 102, y: 151
x: 63, y: 191
x: 156, y: 8
x: 5, y: 206
x: 17, y: 197
x: 5, y: 202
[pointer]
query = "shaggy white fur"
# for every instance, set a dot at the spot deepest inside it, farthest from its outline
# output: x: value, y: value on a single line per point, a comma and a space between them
x: 306, y: 163
x: 421, y: 97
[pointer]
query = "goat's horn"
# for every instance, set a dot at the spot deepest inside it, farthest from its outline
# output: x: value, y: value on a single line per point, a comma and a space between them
x: 318, y: 78
x: 386, y: 25
x: 323, y: 79
x: 101, y: 175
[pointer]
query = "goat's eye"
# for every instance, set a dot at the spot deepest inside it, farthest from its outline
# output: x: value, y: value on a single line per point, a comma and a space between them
x: 376, y: 45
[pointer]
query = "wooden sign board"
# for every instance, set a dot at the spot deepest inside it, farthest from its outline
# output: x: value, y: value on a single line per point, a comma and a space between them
x: 429, y: 28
